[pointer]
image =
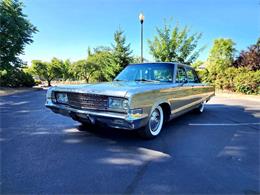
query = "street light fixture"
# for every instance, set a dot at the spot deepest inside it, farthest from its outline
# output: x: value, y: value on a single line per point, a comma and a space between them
x: 141, y: 18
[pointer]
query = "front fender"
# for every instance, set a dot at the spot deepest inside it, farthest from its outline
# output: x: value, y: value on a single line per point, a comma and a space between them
x: 159, y: 102
x: 148, y: 101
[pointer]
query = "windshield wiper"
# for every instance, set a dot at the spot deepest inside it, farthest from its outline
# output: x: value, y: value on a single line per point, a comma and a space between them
x: 118, y: 80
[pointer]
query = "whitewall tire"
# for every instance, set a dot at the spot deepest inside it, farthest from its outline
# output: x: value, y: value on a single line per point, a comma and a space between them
x: 154, y: 124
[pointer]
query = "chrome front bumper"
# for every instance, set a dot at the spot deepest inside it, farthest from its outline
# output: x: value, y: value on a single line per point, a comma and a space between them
x: 110, y: 119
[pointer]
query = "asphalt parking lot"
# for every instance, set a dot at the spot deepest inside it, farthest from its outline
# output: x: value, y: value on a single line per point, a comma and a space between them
x: 215, y: 152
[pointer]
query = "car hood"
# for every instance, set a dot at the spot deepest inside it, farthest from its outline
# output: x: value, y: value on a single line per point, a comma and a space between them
x: 115, y: 88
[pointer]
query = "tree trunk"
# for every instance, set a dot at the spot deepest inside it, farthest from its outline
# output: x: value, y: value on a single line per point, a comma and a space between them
x: 87, y: 79
x: 49, y: 83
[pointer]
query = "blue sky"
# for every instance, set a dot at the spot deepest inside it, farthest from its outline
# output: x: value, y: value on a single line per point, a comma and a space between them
x: 68, y: 27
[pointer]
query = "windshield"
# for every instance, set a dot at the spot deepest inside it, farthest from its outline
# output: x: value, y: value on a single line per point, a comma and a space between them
x: 147, y: 72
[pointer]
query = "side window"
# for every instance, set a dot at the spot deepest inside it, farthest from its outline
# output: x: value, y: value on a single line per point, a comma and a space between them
x: 163, y: 75
x: 192, y: 76
x: 196, y: 78
x: 181, y: 75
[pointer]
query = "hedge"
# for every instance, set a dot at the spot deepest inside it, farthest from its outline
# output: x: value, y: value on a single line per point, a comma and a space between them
x: 234, y: 79
x: 15, y: 78
x: 248, y: 82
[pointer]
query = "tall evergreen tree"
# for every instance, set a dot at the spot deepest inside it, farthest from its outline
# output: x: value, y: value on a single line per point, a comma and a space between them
x: 122, y: 53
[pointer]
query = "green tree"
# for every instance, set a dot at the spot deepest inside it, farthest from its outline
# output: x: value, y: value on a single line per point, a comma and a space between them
x: 175, y: 44
x: 137, y: 59
x: 221, y: 56
x: 16, y: 31
x: 67, y: 71
x: 83, y: 69
x: 103, y: 58
x: 197, y: 64
x: 47, y: 70
x: 250, y: 58
x: 122, y: 54
x: 222, y: 53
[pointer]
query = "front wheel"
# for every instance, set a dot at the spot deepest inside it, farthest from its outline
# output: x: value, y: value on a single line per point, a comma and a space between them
x: 154, y: 125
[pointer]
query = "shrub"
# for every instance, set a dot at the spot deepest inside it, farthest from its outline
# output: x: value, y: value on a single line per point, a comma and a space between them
x: 26, y: 80
x: 38, y: 82
x: 15, y: 78
x: 248, y: 82
x: 225, y: 79
x: 234, y: 79
x: 203, y: 75
x: 220, y: 80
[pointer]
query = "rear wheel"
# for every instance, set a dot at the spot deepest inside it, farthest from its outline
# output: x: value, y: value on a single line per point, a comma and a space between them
x: 154, y: 125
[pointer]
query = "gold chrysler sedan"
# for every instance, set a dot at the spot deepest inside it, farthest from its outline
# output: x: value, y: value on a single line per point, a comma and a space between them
x: 142, y: 97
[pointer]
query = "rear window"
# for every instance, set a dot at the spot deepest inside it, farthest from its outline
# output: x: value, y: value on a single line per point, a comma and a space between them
x: 192, y: 76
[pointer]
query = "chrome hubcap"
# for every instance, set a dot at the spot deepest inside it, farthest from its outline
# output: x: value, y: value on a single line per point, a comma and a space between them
x: 155, y: 120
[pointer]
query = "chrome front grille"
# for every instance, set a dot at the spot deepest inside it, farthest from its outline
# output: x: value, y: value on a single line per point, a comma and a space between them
x: 87, y: 101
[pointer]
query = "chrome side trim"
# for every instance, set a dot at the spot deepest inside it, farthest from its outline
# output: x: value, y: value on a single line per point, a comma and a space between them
x: 189, y: 105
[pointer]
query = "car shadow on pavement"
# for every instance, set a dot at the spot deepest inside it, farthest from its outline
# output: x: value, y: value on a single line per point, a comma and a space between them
x: 190, y: 131
x: 221, y: 143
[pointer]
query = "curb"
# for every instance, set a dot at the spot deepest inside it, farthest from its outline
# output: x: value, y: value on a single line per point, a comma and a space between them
x: 238, y: 96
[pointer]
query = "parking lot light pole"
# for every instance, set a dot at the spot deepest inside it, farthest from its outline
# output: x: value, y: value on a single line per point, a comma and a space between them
x: 141, y: 18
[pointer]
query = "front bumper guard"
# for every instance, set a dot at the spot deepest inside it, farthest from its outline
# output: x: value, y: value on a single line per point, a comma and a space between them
x: 110, y: 119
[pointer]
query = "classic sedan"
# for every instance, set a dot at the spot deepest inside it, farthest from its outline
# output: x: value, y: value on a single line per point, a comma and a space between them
x: 142, y: 97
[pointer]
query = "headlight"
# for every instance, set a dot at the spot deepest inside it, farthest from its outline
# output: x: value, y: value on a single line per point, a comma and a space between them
x: 61, y: 98
x: 117, y: 103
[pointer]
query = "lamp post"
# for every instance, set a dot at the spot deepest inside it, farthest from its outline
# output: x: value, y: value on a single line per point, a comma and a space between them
x: 141, y: 18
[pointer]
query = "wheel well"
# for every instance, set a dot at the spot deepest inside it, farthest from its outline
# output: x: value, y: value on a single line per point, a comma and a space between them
x: 166, y: 111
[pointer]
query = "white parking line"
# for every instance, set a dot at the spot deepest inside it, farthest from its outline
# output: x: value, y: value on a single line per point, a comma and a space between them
x: 222, y: 124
